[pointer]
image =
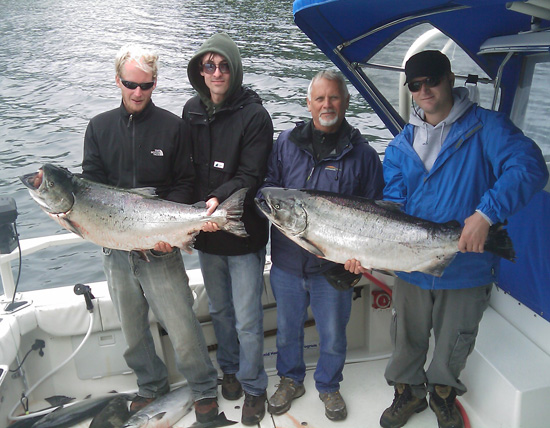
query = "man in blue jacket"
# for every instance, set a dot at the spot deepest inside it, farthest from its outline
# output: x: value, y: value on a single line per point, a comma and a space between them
x: 328, y: 154
x: 453, y: 161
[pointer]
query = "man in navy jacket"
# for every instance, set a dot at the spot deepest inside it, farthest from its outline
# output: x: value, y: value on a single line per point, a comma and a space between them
x: 327, y: 154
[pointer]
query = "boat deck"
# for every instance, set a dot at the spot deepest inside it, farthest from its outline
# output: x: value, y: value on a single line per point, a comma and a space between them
x: 364, y: 390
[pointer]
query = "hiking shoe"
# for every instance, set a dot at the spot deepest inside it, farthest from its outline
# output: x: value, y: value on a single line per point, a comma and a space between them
x: 335, y: 406
x: 287, y: 391
x: 231, y: 387
x: 139, y: 402
x: 206, y: 410
x: 253, y: 409
x: 442, y: 402
x: 404, y: 405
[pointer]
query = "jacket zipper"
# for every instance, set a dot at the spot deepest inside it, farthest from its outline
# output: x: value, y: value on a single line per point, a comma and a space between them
x: 133, y: 141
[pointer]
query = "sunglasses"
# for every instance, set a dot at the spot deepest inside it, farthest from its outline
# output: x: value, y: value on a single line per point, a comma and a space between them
x: 430, y: 82
x: 210, y: 67
x: 133, y: 85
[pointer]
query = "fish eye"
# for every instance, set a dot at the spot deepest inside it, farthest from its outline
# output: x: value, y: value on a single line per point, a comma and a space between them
x: 277, y: 206
x: 51, y: 183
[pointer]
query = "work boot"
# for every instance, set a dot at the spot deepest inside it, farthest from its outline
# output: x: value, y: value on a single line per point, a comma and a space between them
x: 231, y: 387
x: 442, y: 402
x: 139, y: 402
x: 335, y: 406
x: 253, y: 409
x: 404, y: 405
x: 206, y: 410
x: 287, y: 391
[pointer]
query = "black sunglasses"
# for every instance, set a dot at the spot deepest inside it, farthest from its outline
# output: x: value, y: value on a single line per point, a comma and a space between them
x: 133, y: 85
x: 430, y: 82
x: 210, y: 67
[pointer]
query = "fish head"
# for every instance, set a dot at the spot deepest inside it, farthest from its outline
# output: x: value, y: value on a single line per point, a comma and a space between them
x: 284, y: 208
x: 52, y: 188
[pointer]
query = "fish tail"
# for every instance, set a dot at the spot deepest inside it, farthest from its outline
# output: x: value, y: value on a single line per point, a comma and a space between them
x: 499, y: 242
x: 233, y: 206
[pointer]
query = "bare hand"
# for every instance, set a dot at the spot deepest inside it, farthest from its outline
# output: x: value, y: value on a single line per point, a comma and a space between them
x: 163, y: 247
x: 211, y: 205
x: 473, y: 236
x: 354, y: 266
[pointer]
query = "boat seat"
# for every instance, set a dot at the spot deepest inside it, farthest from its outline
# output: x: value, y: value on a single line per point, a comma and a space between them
x: 10, y: 339
x: 507, y: 375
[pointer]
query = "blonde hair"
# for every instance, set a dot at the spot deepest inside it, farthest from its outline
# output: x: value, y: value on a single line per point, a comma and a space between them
x: 146, y: 59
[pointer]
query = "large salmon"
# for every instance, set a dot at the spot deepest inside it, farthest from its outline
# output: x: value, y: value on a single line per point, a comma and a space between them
x: 125, y: 219
x: 376, y: 233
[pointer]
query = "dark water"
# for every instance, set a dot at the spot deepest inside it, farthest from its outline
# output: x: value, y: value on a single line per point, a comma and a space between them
x: 57, y: 72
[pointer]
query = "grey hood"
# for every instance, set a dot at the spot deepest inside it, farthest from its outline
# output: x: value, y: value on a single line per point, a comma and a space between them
x: 429, y: 139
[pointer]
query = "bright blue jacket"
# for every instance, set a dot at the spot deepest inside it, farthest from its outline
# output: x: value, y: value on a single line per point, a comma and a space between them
x: 485, y: 164
x: 354, y: 169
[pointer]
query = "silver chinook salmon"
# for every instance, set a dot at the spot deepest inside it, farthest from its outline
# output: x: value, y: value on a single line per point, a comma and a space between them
x: 376, y: 233
x: 126, y: 219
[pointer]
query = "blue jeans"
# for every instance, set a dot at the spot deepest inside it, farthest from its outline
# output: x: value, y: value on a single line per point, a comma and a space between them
x: 331, y: 309
x: 161, y: 284
x: 234, y: 285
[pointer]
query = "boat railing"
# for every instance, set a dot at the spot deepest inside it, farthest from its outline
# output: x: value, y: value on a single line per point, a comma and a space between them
x: 30, y: 246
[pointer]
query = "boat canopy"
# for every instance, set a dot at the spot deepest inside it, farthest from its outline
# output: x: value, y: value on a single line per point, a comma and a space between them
x: 351, y: 32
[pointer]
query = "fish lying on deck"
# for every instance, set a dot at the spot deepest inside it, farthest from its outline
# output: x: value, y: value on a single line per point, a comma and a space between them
x: 71, y: 414
x: 164, y: 412
x: 125, y: 219
x: 376, y: 233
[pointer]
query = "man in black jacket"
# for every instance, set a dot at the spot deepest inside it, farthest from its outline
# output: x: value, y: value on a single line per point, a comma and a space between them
x: 141, y: 145
x: 231, y: 135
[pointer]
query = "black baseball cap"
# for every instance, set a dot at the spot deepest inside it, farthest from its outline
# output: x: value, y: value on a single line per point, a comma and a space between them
x: 427, y: 64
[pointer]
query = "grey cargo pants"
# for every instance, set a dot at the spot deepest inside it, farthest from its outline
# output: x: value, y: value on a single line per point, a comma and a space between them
x: 454, y: 317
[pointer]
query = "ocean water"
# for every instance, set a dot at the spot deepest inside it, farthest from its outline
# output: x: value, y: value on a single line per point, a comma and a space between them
x: 57, y: 72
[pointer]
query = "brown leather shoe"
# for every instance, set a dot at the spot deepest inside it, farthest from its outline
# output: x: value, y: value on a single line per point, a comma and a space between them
x: 253, y: 409
x: 231, y: 387
x: 206, y: 410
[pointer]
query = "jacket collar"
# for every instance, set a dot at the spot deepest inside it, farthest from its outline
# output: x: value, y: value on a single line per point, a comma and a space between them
x: 145, y: 113
x: 302, y: 136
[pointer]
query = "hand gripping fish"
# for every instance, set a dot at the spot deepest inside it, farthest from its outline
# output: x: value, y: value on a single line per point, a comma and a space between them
x: 377, y: 233
x: 125, y: 219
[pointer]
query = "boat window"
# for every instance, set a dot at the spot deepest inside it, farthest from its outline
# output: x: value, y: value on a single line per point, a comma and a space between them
x: 532, y: 102
x: 421, y: 37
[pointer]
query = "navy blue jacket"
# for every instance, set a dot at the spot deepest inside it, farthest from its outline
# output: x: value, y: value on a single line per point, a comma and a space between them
x: 353, y: 168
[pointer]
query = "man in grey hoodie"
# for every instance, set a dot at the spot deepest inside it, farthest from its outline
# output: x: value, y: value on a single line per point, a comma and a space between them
x: 231, y: 135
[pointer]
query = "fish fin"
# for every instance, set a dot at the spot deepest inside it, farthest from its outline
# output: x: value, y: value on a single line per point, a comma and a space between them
x: 234, y: 208
x: 499, y: 243
x: 59, y: 400
x: 437, y: 269
x: 67, y: 224
x: 142, y: 255
x: 149, y: 192
x: 311, y: 247
x: 158, y: 416
x: 389, y: 205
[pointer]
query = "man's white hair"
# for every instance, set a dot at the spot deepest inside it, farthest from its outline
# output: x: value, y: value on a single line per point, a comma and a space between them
x: 329, y: 75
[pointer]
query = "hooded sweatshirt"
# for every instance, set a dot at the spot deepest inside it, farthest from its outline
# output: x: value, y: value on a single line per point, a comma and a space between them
x: 230, y: 144
x: 428, y: 139
x: 223, y: 45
